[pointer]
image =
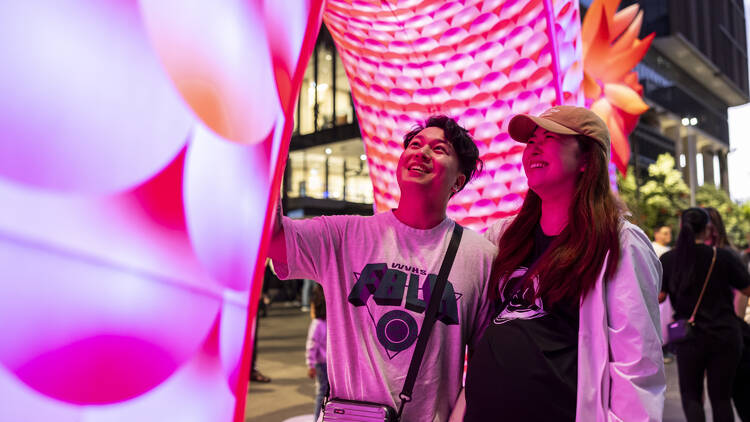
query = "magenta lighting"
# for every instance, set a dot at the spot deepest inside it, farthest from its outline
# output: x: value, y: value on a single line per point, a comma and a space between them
x: 141, y: 143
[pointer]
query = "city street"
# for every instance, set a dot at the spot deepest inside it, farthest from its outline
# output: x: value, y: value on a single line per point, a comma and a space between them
x: 290, y: 395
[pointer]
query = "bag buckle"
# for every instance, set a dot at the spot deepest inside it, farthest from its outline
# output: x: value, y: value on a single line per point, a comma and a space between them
x: 405, y: 398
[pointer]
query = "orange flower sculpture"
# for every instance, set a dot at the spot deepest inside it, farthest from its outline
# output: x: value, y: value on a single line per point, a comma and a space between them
x: 611, y: 49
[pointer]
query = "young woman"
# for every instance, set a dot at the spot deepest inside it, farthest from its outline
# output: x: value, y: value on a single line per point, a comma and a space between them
x: 576, y: 332
x: 716, y: 346
x: 717, y: 236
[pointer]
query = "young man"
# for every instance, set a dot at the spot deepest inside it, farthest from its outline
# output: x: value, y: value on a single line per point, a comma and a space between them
x: 377, y: 273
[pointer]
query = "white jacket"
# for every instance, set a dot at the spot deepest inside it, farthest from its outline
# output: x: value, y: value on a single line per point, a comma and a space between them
x: 620, y: 364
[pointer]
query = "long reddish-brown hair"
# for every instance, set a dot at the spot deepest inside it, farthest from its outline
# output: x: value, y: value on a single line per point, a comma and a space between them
x: 570, y: 266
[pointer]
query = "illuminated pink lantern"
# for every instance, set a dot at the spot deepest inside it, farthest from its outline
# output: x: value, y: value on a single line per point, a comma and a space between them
x: 479, y: 61
x: 85, y: 105
x: 147, y: 287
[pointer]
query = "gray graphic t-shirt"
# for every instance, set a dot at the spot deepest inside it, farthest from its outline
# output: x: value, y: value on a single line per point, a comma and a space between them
x: 377, y: 274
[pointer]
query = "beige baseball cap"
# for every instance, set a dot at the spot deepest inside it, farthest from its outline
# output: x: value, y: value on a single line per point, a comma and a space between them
x: 564, y: 120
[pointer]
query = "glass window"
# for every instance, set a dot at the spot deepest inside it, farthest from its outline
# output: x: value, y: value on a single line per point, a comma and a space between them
x: 358, y: 184
x: 336, y: 177
x: 344, y: 108
x: 295, y: 131
x: 325, y: 85
x: 306, y: 123
x: 315, y: 181
x: 333, y: 171
x: 296, y: 163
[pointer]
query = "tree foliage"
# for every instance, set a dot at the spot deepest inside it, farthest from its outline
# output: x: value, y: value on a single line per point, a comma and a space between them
x: 736, y: 216
x: 664, y: 194
x: 659, y: 199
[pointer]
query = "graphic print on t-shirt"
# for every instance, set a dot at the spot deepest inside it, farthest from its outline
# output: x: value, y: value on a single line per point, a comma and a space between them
x: 517, y: 301
x: 396, y: 329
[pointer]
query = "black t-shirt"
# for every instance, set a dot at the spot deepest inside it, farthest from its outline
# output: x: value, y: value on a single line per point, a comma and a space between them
x: 716, y: 311
x: 526, y: 364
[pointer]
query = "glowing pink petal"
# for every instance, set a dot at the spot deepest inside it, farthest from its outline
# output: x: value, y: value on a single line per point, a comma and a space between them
x: 457, y: 212
x: 464, y: 90
x: 466, y: 16
x: 288, y: 24
x: 486, y: 130
x: 522, y: 70
x: 218, y: 56
x: 495, y: 191
x: 459, y: 62
x: 483, y: 208
x: 435, y: 28
x: 111, y: 323
x: 447, y: 79
x: 466, y: 197
x: 476, y: 71
x: 483, y: 23
x: 224, y: 222
x: 505, y: 60
x: 199, y: 385
x: 471, y: 118
x: 85, y: 106
x: 19, y: 400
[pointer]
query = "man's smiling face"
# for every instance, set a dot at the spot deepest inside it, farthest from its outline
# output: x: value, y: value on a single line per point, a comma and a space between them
x: 429, y: 163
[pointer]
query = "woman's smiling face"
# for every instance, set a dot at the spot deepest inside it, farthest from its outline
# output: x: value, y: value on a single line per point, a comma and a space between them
x: 552, y: 161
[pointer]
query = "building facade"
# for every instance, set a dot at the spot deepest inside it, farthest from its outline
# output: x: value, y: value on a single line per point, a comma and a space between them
x: 326, y: 171
x: 694, y: 71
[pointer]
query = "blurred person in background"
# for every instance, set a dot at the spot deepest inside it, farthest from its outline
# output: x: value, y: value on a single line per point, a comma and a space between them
x: 715, y: 346
x: 741, y: 388
x: 315, y: 350
x: 718, y: 237
x: 662, y: 239
x: 268, y: 276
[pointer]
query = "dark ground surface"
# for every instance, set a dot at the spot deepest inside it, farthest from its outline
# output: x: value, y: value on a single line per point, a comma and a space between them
x: 290, y: 395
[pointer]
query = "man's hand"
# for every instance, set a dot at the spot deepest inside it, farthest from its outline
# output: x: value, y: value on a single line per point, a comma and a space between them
x: 311, y: 373
x: 277, y: 218
x: 277, y: 248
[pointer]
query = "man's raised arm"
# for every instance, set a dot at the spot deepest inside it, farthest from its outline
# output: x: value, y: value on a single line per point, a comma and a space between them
x: 277, y: 248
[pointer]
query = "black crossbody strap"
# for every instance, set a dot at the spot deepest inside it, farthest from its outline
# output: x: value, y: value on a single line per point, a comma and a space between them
x: 705, y: 283
x: 430, y: 317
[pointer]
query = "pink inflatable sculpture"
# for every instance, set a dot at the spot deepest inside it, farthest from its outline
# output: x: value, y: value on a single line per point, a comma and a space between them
x: 141, y: 143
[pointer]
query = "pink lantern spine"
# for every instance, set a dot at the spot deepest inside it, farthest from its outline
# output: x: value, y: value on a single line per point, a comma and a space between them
x: 552, y: 34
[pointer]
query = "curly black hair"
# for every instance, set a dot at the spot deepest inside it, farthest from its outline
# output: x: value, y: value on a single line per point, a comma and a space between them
x: 466, y: 150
